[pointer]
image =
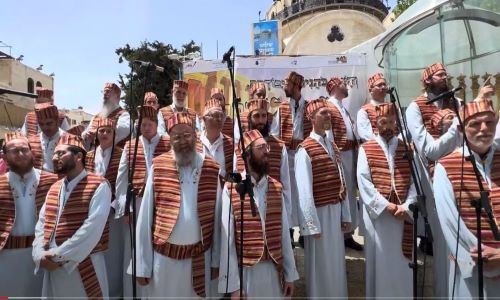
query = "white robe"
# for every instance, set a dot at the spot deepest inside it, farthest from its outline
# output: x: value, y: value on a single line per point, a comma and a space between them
x: 65, y: 281
x: 260, y: 280
x: 216, y: 151
x: 466, y: 275
x: 429, y: 148
x: 16, y: 274
x: 64, y: 126
x: 298, y: 134
x: 348, y: 163
x: 171, y: 277
x: 388, y: 273
x: 363, y: 124
x: 122, y: 128
x: 324, y: 258
x: 48, y: 146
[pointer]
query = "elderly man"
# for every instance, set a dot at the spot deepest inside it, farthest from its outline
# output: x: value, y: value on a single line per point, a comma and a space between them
x: 387, y: 190
x: 324, y: 207
x: 150, y: 99
x: 178, y: 223
x: 111, y: 109
x: 44, y: 143
x: 344, y: 136
x: 22, y: 193
x: 71, y: 233
x: 366, y: 121
x: 268, y: 262
x: 455, y: 186
x: 179, y: 94
x: 218, y: 94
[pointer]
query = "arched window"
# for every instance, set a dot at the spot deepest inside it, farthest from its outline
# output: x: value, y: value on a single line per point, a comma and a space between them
x: 38, y: 84
x: 31, y: 85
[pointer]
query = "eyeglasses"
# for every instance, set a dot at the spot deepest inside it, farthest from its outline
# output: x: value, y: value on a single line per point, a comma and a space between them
x: 178, y: 137
x: 216, y: 116
x: 263, y: 147
x: 23, y: 150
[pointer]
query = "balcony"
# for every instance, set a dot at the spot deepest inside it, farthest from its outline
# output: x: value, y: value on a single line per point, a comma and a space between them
x: 303, y: 7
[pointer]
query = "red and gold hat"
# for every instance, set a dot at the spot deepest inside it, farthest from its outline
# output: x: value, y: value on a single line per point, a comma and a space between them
x: 385, y: 109
x: 431, y: 70
x: 14, y: 135
x: 180, y: 84
x: 150, y: 96
x: 71, y: 140
x: 333, y: 83
x: 254, y: 86
x: 375, y: 79
x: 44, y: 95
x: 215, y: 91
x: 476, y: 107
x: 256, y: 104
x: 45, y: 111
x: 77, y: 129
x: 108, y: 122
x: 212, y: 104
x: 115, y: 88
x: 251, y: 136
x: 314, y: 105
x: 179, y: 118
x: 295, y: 79
x: 438, y: 117
x: 149, y: 112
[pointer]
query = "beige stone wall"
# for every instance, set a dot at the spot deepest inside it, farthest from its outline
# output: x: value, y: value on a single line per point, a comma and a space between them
x: 77, y: 116
x: 308, y: 35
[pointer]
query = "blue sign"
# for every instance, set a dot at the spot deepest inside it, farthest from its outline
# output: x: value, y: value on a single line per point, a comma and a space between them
x: 265, y: 38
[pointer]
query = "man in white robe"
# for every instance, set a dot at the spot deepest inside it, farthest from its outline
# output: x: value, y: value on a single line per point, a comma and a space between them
x: 68, y: 241
x: 343, y: 133
x: 324, y: 207
x: 261, y: 277
x: 456, y: 215
x: 179, y: 104
x: 151, y: 99
x: 381, y: 184
x: 23, y: 191
x: 181, y: 179
x: 365, y: 121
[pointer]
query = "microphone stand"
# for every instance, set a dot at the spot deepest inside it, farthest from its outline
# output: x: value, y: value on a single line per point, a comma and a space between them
x: 244, y: 186
x: 478, y: 204
x: 420, y: 205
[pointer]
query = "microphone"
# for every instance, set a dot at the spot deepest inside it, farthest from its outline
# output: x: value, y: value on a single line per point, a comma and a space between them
x: 390, y: 89
x: 149, y: 64
x: 446, y: 94
x: 227, y: 56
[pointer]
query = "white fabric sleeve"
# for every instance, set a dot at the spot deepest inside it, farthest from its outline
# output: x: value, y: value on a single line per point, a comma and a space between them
x: 64, y: 124
x: 275, y: 125
x: 145, y: 258
x: 162, y: 129
x: 364, y: 126
x: 285, y: 182
x: 122, y: 127
x: 289, y: 267
x: 24, y: 129
x: 217, y: 228
x: 38, y: 242
x: 121, y: 185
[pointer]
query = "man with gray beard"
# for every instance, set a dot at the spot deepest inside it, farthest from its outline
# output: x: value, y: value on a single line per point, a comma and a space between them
x: 179, y: 219
x: 111, y: 109
x: 179, y: 105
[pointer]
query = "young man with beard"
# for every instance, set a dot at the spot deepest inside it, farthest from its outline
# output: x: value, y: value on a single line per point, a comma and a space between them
x: 150, y: 145
x: 44, y: 143
x: 30, y: 126
x: 268, y: 261
x: 366, y: 121
x: 256, y: 90
x: 111, y: 109
x: 71, y: 233
x: 324, y: 207
x: 216, y: 144
x: 104, y: 161
x: 179, y: 221
x: 179, y: 94
x: 387, y: 190
x: 454, y: 189
x: 344, y: 136
x: 22, y: 193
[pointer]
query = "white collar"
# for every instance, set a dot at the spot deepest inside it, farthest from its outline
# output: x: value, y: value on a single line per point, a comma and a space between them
x: 154, y: 140
x: 56, y: 136
x: 70, y: 185
x: 16, y: 177
x: 207, y: 143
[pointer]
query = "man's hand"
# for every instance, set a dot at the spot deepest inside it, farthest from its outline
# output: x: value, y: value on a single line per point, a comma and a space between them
x: 391, y: 208
x: 400, y: 212
x: 215, y: 273
x: 142, y: 281
x: 46, y: 261
x: 485, y: 93
x: 491, y: 257
x: 236, y: 295
x: 288, y: 289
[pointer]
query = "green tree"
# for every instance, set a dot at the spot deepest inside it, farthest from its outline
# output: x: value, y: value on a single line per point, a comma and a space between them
x: 146, y: 79
x: 401, y: 7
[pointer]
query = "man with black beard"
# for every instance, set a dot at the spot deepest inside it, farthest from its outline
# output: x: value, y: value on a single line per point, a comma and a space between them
x: 268, y: 262
x: 22, y: 193
x: 71, y: 233
x: 179, y: 219
x: 111, y: 109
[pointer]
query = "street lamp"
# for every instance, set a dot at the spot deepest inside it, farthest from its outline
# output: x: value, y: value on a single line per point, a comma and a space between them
x: 182, y: 58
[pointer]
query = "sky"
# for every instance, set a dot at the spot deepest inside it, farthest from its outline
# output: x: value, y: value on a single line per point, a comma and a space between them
x: 76, y: 40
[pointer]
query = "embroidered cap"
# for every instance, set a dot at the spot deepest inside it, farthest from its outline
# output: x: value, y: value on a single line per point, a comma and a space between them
x: 254, y: 86
x: 150, y: 96
x: 375, y: 79
x: 385, y: 109
x: 476, y: 107
x: 333, y: 83
x: 108, y: 122
x: 112, y: 86
x: 44, y: 95
x: 431, y: 70
x: 149, y: 112
x: 212, y: 104
x: 256, y: 104
x: 45, y: 111
x: 181, y: 84
x: 179, y: 118
x: 77, y: 129
x: 437, y: 118
x: 71, y: 140
x: 295, y: 79
x: 314, y: 105
x: 251, y: 136
x: 14, y: 135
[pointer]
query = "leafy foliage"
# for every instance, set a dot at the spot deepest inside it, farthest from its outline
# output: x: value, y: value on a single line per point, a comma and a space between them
x: 401, y: 7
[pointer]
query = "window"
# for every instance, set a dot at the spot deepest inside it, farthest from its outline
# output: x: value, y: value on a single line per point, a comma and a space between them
x: 38, y: 84
x: 31, y: 85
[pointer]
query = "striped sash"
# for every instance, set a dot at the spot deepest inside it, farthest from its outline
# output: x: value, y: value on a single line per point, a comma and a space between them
x: 469, y: 191
x: 286, y: 126
x: 259, y: 245
x: 36, y: 151
x: 328, y: 184
x: 167, y: 191
x: 31, y: 124
x: 111, y: 171
x: 227, y: 127
x: 228, y: 152
x: 393, y: 188
x: 427, y: 111
x: 340, y: 131
x: 74, y: 214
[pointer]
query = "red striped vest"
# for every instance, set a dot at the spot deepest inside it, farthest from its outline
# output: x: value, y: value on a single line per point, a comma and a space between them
x: 328, y: 184
x: 8, y: 208
x: 286, y: 126
x: 340, y: 131
x: 167, y: 112
x: 115, y: 115
x: 111, y: 171
x: 227, y: 127
x: 75, y: 213
x: 382, y: 180
x: 140, y: 173
x: 470, y: 191
x: 427, y: 111
x: 257, y: 244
